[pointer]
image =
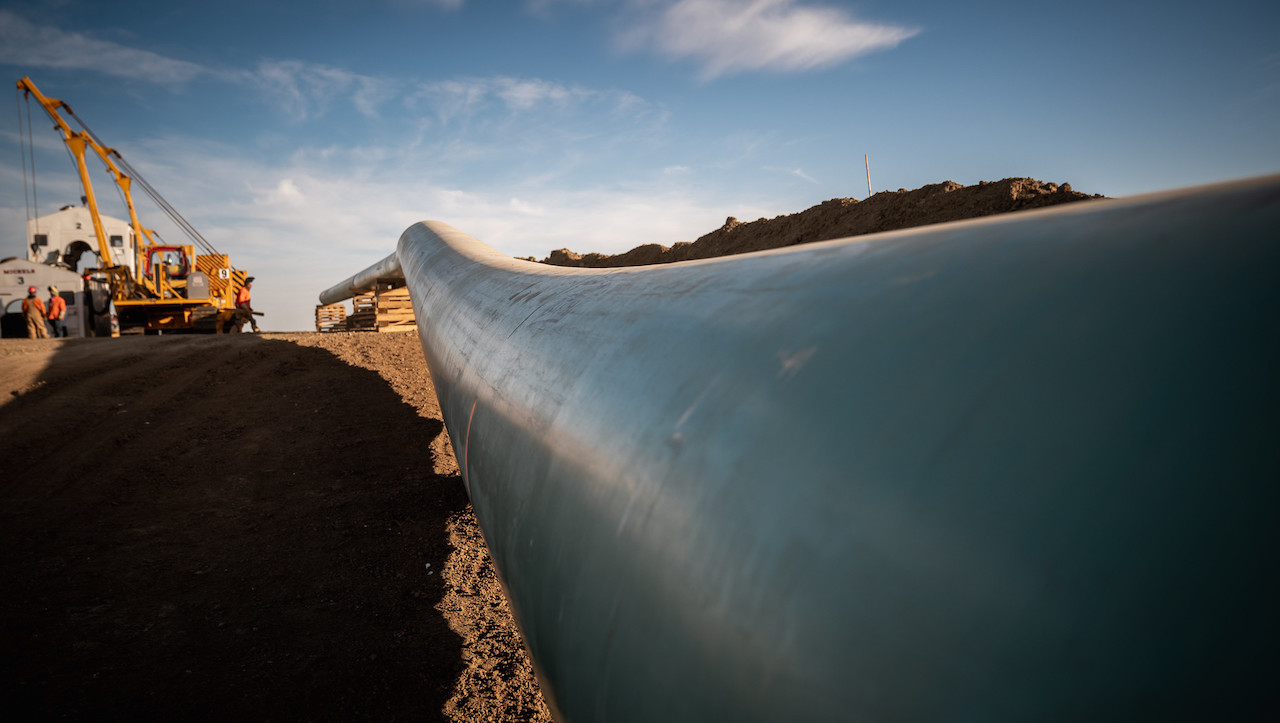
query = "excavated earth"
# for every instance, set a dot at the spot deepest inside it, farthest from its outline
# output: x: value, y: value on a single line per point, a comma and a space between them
x: 844, y: 217
x: 273, y: 526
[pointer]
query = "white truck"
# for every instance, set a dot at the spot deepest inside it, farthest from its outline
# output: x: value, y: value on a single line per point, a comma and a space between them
x: 17, y: 275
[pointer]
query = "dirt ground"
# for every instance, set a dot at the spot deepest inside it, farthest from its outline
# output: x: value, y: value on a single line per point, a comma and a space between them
x: 264, y: 526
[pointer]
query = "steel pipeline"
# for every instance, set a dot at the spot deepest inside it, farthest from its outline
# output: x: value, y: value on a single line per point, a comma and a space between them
x: 388, y: 268
x: 1014, y: 469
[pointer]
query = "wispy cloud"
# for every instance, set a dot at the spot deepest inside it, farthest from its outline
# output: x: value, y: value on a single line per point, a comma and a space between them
x: 27, y: 45
x: 301, y: 90
x: 797, y: 172
x: 305, y: 90
x: 734, y: 36
x: 544, y: 7
x: 524, y: 94
x: 464, y: 97
x: 285, y: 193
x: 521, y: 206
x: 439, y: 4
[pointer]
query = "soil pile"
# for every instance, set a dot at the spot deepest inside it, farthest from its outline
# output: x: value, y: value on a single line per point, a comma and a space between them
x: 844, y: 217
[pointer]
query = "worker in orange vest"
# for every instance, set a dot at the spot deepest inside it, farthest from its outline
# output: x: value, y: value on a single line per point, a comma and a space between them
x: 33, y: 310
x: 244, y: 312
x: 57, y: 313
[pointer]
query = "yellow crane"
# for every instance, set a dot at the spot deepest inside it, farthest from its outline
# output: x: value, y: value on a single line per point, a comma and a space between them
x: 167, y: 287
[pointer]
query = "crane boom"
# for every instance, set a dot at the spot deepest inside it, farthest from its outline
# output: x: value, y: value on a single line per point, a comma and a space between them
x: 78, y: 141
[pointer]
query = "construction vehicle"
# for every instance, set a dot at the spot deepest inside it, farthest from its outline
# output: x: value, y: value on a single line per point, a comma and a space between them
x: 163, y: 286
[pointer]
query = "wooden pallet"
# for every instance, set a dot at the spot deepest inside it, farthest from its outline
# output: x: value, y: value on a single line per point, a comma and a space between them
x: 331, y: 317
x: 388, y: 308
x: 394, y: 308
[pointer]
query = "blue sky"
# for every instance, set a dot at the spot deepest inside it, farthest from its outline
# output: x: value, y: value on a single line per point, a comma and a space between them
x: 303, y: 137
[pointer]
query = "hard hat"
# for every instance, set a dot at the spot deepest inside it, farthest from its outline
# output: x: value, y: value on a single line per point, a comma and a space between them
x: 53, y: 290
x: 249, y: 280
x: 31, y: 290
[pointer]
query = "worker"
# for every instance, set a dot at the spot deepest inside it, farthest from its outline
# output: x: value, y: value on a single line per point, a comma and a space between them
x: 244, y: 312
x: 57, y: 313
x: 33, y: 310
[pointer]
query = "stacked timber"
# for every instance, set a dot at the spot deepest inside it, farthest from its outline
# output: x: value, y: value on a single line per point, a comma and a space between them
x: 331, y: 317
x: 387, y: 308
x: 364, y: 316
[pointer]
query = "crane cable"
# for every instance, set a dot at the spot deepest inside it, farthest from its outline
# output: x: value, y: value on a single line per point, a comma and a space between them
x: 30, y: 198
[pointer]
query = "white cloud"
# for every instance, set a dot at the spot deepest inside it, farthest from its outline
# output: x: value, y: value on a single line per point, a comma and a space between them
x: 524, y: 94
x: 452, y: 98
x: 301, y: 90
x: 26, y: 45
x: 440, y: 4
x: 735, y: 36
x: 305, y: 90
x: 604, y: 220
x: 544, y: 7
x: 526, y: 208
x: 286, y: 192
x: 462, y: 98
x: 797, y: 172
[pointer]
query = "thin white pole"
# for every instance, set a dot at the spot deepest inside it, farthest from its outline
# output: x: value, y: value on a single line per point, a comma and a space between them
x: 867, y: 160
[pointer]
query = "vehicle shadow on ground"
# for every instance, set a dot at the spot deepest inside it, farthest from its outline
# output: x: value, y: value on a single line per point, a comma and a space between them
x: 219, y: 527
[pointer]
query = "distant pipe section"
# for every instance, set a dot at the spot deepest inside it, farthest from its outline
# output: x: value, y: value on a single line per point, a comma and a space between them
x: 1023, y: 468
x: 388, y: 268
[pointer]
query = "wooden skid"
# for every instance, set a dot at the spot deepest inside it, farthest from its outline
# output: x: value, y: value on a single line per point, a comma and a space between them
x: 388, y: 308
x: 331, y: 317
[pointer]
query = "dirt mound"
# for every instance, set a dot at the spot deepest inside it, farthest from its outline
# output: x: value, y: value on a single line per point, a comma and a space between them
x: 844, y: 217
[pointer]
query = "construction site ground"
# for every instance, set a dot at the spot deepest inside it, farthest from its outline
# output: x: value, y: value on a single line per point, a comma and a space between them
x: 243, y: 527
x: 273, y: 526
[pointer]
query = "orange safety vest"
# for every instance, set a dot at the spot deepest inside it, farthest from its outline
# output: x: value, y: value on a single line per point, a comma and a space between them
x: 33, y: 301
x: 242, y: 296
x: 57, y: 307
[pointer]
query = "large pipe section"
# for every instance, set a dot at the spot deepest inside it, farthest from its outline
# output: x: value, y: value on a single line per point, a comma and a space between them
x: 1022, y: 468
x: 388, y: 268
